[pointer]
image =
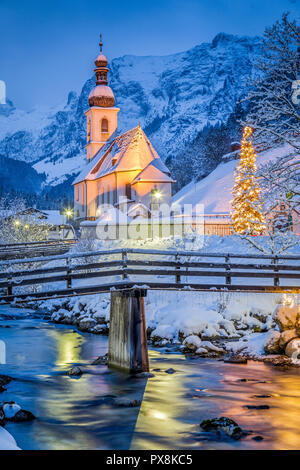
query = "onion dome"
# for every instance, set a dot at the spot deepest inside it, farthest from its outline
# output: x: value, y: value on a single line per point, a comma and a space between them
x: 101, y: 61
x: 102, y: 95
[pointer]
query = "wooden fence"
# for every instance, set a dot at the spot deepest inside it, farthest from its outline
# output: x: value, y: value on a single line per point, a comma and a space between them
x: 42, y: 248
x: 147, y: 269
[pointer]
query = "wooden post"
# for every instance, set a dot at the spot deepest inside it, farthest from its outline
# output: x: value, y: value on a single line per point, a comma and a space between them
x: 124, y: 264
x: 128, y: 349
x: 177, y: 268
x: 228, y: 268
x: 9, y: 287
x: 276, y: 278
x: 68, y: 274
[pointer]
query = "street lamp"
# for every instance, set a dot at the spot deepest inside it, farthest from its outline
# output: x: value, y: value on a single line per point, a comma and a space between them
x: 68, y: 213
x: 157, y: 194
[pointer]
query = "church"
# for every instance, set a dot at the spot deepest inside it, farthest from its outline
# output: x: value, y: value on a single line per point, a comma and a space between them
x: 123, y: 171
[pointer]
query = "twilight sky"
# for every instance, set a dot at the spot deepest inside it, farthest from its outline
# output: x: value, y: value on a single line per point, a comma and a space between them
x: 47, y: 47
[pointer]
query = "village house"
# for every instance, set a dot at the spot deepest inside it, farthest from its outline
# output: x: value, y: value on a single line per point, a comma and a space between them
x: 52, y: 224
x: 123, y: 171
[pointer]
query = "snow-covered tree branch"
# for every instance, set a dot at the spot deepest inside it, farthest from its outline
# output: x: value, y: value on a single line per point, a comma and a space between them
x: 274, y: 112
x: 19, y: 226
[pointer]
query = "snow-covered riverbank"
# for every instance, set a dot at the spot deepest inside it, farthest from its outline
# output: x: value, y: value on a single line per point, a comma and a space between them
x: 216, y: 319
x: 7, y: 442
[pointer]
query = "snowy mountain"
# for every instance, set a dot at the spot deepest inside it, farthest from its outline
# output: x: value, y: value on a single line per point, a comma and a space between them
x: 174, y: 97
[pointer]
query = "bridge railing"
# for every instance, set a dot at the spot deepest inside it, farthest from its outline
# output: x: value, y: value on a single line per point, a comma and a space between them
x: 178, y: 269
x: 41, y: 248
x: 8, y: 246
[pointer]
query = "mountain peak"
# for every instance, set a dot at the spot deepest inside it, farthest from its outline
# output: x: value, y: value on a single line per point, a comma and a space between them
x: 224, y: 38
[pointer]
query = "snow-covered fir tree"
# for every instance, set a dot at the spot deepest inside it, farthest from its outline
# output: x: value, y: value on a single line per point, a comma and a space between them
x: 247, y: 216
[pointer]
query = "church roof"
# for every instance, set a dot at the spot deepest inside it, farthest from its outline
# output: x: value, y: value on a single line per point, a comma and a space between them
x: 129, y: 151
x: 139, y: 205
x: 153, y: 172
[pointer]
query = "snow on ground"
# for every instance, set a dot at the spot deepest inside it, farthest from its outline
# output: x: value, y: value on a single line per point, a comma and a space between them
x: 208, y: 315
x: 214, y: 191
x: 7, y: 442
x: 252, y: 344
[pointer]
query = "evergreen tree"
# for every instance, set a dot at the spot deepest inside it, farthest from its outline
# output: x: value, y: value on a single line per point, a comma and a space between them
x: 247, y: 214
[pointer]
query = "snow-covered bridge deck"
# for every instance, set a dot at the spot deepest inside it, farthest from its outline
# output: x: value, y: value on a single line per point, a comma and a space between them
x: 41, y: 248
x: 80, y: 273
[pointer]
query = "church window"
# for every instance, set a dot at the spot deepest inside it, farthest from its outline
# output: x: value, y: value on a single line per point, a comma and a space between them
x: 104, y: 125
x: 128, y: 191
x: 89, y: 130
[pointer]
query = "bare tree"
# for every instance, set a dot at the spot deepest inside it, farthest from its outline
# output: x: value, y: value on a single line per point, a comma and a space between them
x: 274, y: 110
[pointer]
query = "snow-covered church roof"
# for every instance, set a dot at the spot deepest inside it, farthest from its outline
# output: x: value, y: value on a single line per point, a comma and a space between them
x: 129, y: 151
x: 153, y: 172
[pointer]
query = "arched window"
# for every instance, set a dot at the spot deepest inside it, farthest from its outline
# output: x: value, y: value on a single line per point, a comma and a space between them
x: 89, y: 130
x: 104, y: 125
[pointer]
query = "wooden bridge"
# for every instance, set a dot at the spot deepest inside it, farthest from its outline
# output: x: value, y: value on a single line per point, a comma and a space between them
x: 41, y: 248
x: 129, y: 273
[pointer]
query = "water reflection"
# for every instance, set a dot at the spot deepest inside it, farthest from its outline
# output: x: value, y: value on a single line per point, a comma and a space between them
x: 159, y: 421
x: 81, y: 413
x: 67, y: 345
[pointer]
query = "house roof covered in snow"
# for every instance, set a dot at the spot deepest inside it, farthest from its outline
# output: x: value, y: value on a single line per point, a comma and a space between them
x: 127, y: 152
x: 154, y: 172
x: 51, y: 217
x: 138, y: 209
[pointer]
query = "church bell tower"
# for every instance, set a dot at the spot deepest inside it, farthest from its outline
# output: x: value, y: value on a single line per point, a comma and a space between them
x: 102, y: 115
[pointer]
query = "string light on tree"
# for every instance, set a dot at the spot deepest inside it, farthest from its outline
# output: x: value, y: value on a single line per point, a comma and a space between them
x: 246, y: 205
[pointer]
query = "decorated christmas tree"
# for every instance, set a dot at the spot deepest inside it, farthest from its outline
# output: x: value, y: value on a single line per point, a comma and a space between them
x: 246, y: 205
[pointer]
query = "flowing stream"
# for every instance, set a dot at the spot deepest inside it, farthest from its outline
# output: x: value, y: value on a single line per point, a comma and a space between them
x: 81, y: 413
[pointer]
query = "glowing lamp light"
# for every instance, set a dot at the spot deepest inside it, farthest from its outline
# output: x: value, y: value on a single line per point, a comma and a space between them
x: 68, y: 213
x: 17, y: 222
x: 157, y: 194
x: 26, y: 226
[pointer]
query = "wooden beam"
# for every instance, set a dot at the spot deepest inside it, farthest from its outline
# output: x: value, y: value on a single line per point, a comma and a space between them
x: 128, y: 349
